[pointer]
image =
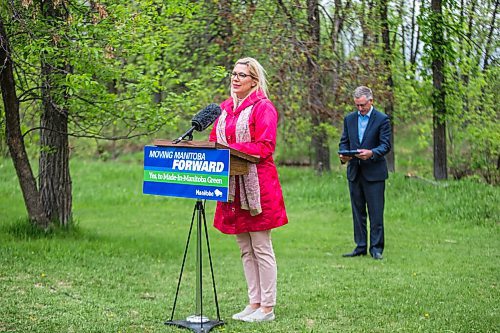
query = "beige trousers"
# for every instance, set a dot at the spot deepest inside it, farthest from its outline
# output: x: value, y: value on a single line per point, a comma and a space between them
x: 259, y: 264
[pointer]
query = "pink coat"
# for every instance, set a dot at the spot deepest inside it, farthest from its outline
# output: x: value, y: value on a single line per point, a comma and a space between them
x: 229, y: 217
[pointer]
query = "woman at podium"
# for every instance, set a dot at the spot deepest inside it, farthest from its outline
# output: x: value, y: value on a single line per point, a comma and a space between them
x: 248, y: 123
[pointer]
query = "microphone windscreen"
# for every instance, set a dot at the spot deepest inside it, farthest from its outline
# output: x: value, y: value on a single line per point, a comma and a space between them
x: 206, y: 117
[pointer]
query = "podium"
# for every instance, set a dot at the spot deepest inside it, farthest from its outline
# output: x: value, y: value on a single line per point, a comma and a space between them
x: 238, y: 165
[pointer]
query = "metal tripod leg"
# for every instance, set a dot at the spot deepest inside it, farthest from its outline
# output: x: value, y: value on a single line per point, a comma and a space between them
x: 197, y: 322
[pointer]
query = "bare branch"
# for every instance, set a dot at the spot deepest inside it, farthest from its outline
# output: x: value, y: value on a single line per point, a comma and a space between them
x: 129, y: 135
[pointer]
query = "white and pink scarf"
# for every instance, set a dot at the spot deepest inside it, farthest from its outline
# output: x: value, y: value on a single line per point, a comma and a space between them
x: 249, y: 183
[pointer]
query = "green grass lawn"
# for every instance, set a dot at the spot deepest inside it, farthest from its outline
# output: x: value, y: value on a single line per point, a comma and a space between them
x: 117, y: 270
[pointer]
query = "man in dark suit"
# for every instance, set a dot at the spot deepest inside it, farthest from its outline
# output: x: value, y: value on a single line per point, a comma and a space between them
x: 369, y: 132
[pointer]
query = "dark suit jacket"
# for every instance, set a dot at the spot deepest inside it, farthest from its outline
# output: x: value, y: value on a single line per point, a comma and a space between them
x: 377, y: 137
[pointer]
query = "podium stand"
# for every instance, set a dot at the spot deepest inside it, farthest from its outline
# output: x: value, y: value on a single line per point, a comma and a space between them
x: 238, y: 166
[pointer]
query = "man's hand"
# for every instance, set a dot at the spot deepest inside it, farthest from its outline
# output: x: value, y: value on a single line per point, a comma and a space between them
x: 364, y: 154
x: 345, y: 159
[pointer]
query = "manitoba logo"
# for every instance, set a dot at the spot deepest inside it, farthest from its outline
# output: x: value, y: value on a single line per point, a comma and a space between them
x: 205, y: 193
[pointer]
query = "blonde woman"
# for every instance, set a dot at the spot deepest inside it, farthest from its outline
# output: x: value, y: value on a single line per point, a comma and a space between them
x: 248, y: 123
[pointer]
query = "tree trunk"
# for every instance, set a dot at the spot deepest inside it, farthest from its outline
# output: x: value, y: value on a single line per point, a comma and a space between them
x: 403, y: 33
x: 415, y: 38
x: 55, y: 179
x: 389, y: 107
x: 339, y: 18
x: 362, y: 21
x: 489, y: 41
x: 319, y: 140
x: 439, y: 93
x: 15, y: 139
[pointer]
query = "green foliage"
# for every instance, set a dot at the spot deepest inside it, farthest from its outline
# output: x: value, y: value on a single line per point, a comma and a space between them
x: 470, y: 91
x: 475, y: 136
x: 109, y: 60
x: 434, y: 29
x: 129, y: 68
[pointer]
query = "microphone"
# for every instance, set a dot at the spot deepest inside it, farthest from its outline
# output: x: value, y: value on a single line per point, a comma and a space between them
x: 201, y: 120
x: 206, y: 117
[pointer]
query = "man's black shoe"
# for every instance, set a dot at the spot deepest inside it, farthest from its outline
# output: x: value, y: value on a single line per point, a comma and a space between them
x: 354, y: 253
x: 377, y: 256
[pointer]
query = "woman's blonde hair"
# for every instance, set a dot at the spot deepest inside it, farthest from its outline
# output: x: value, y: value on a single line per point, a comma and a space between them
x: 257, y: 72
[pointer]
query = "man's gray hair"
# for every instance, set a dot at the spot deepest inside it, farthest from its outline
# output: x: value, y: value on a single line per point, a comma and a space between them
x: 363, y: 91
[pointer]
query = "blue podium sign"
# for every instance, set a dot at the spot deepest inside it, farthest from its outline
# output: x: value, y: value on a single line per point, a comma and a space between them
x: 186, y: 172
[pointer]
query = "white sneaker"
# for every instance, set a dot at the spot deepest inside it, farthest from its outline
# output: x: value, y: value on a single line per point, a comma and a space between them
x: 247, y: 311
x: 259, y: 315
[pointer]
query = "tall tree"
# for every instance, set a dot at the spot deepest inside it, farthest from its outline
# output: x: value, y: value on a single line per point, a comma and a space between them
x: 340, y: 15
x: 54, y: 174
x: 304, y: 34
x: 319, y: 140
x: 15, y: 140
x: 438, y: 47
x: 387, y: 57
